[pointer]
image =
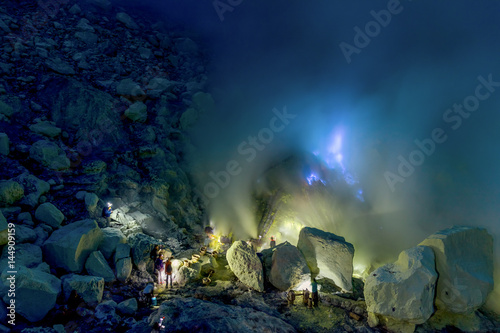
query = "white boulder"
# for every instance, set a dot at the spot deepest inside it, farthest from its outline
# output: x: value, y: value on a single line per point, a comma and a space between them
x: 405, y: 289
x: 464, y: 262
x: 70, y: 246
x: 289, y: 269
x: 246, y: 265
x: 328, y: 256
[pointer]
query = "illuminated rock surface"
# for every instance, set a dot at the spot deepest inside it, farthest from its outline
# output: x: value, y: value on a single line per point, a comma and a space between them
x: 246, y: 265
x: 288, y: 269
x: 70, y: 246
x: 328, y: 256
x: 464, y: 262
x: 404, y: 290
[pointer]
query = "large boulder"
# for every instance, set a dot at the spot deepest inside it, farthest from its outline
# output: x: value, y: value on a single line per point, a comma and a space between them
x: 128, y: 307
x: 111, y: 237
x: 34, y: 188
x: 126, y: 20
x: 89, y: 115
x: 289, y: 269
x: 49, y: 214
x: 10, y: 192
x: 195, y: 315
x: 464, y: 262
x: 405, y: 289
x: 70, y: 246
x: 49, y: 155
x: 142, y: 245
x: 246, y: 265
x: 186, y: 274
x: 127, y: 87
x: 123, y: 269
x: 137, y: 112
x: 36, y: 292
x: 47, y: 128
x: 90, y: 288
x: 97, y: 265
x: 328, y: 256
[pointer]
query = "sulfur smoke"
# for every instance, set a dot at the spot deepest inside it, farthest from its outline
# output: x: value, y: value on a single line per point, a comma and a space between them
x: 386, y: 99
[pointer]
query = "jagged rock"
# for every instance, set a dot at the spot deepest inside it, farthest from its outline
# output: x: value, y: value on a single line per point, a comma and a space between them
x: 127, y: 87
x: 4, y: 230
x: 70, y: 246
x: 122, y: 251
x: 246, y: 265
x: 47, y: 128
x: 90, y: 288
x: 75, y: 9
x: 464, y: 262
x: 6, y: 109
x: 192, y: 315
x: 59, y: 66
x: 83, y: 25
x: 405, y: 289
x: 27, y: 255
x: 49, y: 214
x: 34, y: 188
x: 289, y: 269
x: 126, y: 20
x: 137, y: 112
x: 111, y: 237
x: 91, y: 201
x: 93, y: 167
x: 25, y: 234
x: 142, y: 245
x: 88, y: 38
x: 4, y: 144
x: 128, y: 307
x: 10, y: 192
x: 328, y: 256
x: 36, y: 292
x: 187, y: 274
x: 50, y: 155
x: 41, y: 234
x: 105, y: 313
x: 97, y: 265
x: 88, y: 114
x: 123, y: 269
x: 144, y: 52
x: 159, y: 85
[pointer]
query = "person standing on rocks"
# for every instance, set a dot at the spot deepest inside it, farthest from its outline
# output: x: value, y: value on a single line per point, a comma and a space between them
x: 155, y: 252
x: 290, y: 297
x: 106, y: 212
x: 315, y: 295
x: 168, y: 272
x: 273, y: 242
x: 160, y: 269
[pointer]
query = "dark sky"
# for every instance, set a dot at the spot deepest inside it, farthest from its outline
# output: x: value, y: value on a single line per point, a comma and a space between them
x: 396, y: 89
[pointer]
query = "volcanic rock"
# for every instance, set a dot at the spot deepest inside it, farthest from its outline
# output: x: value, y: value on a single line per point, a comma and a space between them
x: 49, y: 214
x: 328, y: 256
x: 246, y: 265
x: 90, y: 288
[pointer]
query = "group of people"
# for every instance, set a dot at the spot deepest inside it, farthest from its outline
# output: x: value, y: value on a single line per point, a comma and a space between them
x: 162, y: 267
x: 309, y: 299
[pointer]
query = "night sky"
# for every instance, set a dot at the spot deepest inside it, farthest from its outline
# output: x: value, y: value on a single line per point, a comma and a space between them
x: 398, y: 83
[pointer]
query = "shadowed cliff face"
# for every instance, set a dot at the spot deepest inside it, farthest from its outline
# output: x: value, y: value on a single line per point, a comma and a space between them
x: 411, y: 89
